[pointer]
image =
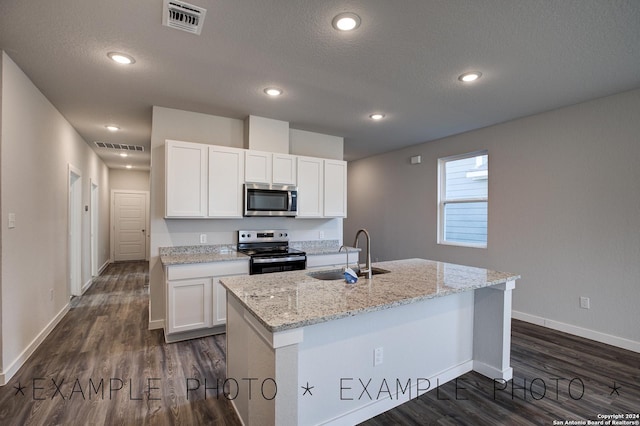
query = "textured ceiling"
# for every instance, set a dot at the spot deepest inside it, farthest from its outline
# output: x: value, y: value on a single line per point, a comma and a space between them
x: 404, y: 61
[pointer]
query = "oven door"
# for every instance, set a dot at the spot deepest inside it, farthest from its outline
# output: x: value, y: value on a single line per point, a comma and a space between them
x: 270, y: 200
x: 266, y: 265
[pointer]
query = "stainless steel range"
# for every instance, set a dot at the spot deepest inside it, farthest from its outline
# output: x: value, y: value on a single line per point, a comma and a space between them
x: 270, y: 252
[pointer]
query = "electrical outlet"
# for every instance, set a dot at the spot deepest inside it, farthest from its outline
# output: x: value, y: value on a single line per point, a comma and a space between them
x: 378, y: 356
x: 321, y: 235
x: 12, y: 220
x: 585, y: 302
x: 203, y: 238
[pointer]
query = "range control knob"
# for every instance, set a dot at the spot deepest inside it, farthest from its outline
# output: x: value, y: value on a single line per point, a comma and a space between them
x: 242, y: 235
x: 281, y: 234
x: 286, y: 235
x: 248, y: 235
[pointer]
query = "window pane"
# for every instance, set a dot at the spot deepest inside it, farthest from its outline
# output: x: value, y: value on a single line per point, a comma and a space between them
x: 466, y: 178
x: 465, y: 222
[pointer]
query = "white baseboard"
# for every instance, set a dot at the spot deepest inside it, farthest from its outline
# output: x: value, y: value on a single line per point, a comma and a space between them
x: 86, y: 286
x: 104, y: 266
x: 619, y: 342
x: 378, y: 406
x: 15, y: 365
x: 156, y: 324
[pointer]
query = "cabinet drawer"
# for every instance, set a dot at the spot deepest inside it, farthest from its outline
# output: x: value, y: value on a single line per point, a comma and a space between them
x: 213, y: 269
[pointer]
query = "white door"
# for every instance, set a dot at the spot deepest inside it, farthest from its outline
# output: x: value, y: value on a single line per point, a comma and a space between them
x: 130, y: 219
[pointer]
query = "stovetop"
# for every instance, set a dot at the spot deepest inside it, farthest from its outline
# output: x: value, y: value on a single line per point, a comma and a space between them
x: 269, y: 243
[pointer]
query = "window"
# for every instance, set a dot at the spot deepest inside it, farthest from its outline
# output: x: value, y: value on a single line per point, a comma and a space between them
x: 463, y: 199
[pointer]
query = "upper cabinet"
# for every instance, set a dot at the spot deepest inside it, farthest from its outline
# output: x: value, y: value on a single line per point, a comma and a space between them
x: 186, y: 179
x: 257, y: 166
x: 310, y: 187
x: 206, y: 181
x: 226, y: 177
x: 335, y: 188
x: 203, y: 180
x: 284, y: 169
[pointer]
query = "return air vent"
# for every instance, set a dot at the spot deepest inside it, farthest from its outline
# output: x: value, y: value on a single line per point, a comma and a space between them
x: 119, y: 146
x: 183, y: 16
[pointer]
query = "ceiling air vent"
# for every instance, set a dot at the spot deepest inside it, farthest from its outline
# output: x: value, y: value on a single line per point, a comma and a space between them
x: 183, y: 16
x: 119, y: 146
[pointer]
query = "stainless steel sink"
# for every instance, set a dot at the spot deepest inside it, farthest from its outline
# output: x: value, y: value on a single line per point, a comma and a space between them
x: 337, y: 274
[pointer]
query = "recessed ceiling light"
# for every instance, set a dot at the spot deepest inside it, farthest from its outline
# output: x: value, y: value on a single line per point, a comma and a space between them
x: 468, y: 77
x: 112, y: 128
x: 376, y: 116
x: 123, y: 154
x: 121, y: 58
x: 347, y: 21
x: 273, y: 91
x: 129, y: 166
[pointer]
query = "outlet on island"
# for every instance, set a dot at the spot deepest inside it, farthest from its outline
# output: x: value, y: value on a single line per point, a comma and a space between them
x: 203, y: 238
x: 321, y: 235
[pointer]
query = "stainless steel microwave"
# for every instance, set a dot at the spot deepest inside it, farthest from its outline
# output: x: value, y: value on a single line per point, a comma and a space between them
x: 270, y: 200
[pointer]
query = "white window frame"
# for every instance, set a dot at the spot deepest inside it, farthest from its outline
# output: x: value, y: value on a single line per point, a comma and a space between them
x: 442, y: 201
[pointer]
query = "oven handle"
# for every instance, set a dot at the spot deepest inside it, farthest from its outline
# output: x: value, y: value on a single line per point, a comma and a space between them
x: 279, y: 259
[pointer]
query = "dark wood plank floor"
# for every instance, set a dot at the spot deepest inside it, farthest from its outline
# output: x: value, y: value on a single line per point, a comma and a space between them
x: 102, y: 366
x: 103, y: 344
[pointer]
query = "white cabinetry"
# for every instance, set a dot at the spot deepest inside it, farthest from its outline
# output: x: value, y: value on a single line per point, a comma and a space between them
x: 322, y: 188
x: 189, y: 305
x: 226, y: 176
x: 186, y: 179
x: 284, y: 169
x: 196, y: 301
x: 310, y: 187
x: 258, y: 166
x: 335, y: 188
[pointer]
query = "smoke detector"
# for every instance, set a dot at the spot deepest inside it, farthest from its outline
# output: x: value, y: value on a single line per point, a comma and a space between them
x: 183, y: 16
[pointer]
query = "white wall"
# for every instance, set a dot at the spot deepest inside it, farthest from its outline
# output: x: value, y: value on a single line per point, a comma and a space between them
x: 213, y: 130
x: 564, y: 211
x: 36, y: 146
x: 134, y: 180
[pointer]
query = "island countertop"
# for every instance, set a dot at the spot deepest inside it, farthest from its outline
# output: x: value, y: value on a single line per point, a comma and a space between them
x: 289, y: 300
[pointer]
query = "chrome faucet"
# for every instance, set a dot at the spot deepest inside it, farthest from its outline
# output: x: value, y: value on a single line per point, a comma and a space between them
x: 367, y: 266
x: 346, y: 249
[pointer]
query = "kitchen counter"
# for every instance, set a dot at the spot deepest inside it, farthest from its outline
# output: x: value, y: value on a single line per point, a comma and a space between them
x: 311, y: 346
x: 294, y: 299
x: 199, y: 254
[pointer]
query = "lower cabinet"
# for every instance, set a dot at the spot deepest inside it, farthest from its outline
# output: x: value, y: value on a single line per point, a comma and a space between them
x: 196, y: 301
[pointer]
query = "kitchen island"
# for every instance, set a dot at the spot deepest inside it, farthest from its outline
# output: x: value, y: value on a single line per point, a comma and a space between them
x: 306, y: 351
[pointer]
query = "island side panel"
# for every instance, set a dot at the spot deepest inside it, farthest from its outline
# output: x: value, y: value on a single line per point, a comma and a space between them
x: 492, y: 331
x: 425, y: 344
x: 265, y: 366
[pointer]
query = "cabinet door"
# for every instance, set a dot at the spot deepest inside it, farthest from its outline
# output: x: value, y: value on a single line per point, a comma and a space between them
x: 219, y: 313
x: 226, y: 177
x: 310, y: 187
x: 257, y: 166
x: 188, y: 304
x: 335, y: 188
x: 284, y: 169
x: 185, y: 179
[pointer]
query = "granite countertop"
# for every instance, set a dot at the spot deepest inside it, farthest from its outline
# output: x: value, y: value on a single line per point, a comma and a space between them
x: 199, y: 254
x: 289, y: 300
x: 226, y: 252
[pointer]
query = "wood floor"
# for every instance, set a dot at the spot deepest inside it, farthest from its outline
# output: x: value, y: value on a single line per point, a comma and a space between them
x: 102, y: 366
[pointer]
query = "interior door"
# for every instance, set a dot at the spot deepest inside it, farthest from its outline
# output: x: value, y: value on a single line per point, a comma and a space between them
x: 130, y: 226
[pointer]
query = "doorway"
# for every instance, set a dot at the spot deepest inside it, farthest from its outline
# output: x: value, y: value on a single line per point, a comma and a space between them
x: 130, y: 214
x: 75, y: 231
x: 94, y: 229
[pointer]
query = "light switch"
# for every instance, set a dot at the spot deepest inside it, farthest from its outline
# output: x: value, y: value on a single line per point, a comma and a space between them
x: 12, y: 220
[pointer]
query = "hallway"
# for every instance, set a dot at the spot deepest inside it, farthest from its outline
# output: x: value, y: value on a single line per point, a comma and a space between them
x: 101, y: 365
